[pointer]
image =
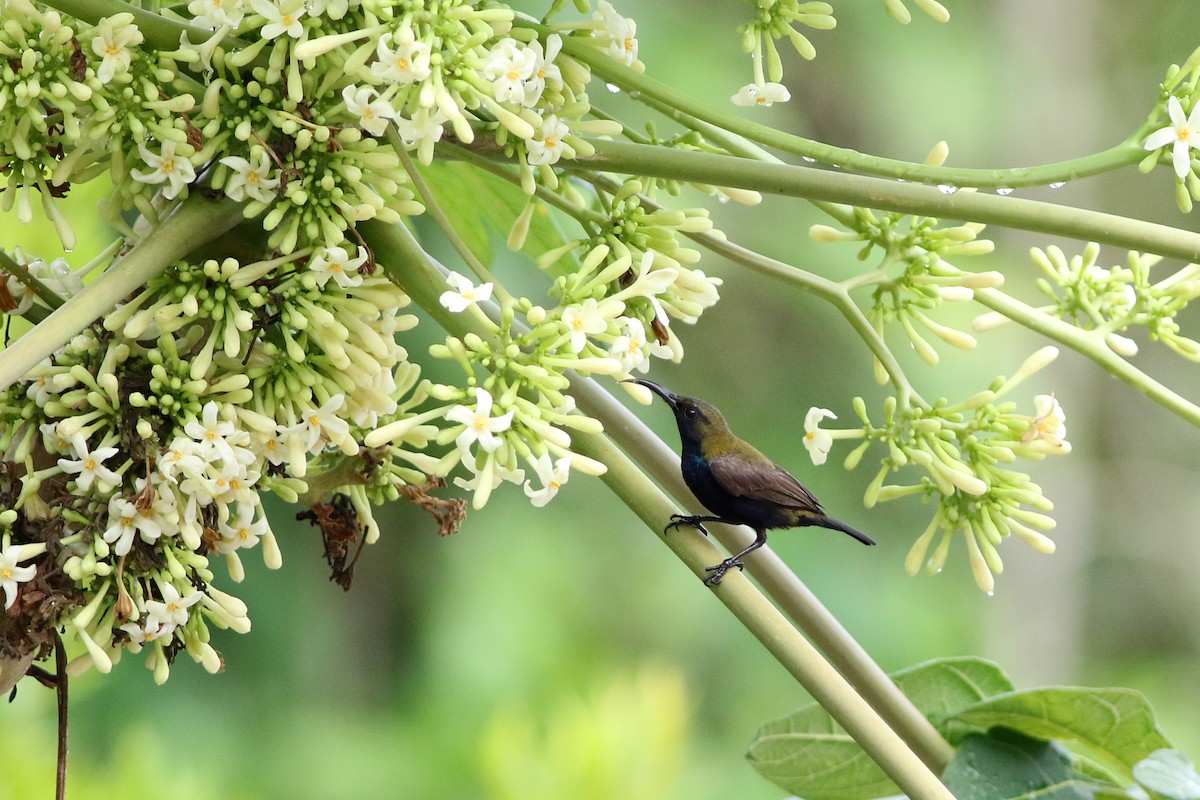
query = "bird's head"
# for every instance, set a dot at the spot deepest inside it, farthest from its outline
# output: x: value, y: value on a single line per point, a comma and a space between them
x: 698, y: 421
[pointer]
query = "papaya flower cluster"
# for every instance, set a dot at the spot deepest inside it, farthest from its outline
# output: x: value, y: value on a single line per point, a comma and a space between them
x: 1110, y: 301
x: 913, y: 276
x: 285, y: 105
x: 139, y: 453
x: 963, y: 451
x: 612, y: 317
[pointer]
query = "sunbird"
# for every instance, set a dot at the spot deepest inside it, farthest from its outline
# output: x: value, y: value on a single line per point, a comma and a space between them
x: 737, y: 483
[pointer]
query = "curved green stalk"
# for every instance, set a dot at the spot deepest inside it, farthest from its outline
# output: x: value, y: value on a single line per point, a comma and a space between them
x: 911, y: 198
x: 22, y: 274
x: 639, y: 87
x: 195, y: 221
x: 439, y: 216
x: 1090, y: 344
x: 160, y: 32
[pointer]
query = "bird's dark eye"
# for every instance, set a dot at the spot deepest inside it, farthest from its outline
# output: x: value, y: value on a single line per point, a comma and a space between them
x: 690, y: 412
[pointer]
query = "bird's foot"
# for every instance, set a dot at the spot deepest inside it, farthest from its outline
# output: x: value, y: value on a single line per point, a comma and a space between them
x: 692, y: 520
x: 717, y: 572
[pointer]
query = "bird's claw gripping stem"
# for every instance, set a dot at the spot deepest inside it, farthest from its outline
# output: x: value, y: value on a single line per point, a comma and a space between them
x: 717, y: 572
x: 693, y: 520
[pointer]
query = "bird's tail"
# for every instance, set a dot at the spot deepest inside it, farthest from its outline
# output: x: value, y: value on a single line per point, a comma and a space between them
x: 833, y: 524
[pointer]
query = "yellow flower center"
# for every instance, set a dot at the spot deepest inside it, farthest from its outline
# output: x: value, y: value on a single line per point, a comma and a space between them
x: 6, y: 573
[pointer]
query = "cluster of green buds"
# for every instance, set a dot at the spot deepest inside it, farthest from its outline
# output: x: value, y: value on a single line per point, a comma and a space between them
x: 962, y: 449
x: 1112, y: 300
x: 913, y: 277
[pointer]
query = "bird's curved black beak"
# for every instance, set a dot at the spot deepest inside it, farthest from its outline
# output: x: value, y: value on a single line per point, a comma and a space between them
x: 671, y: 398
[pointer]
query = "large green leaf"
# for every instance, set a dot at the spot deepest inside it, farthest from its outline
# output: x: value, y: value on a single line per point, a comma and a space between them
x: 1116, y: 727
x: 1006, y: 765
x: 810, y: 755
x: 481, y: 206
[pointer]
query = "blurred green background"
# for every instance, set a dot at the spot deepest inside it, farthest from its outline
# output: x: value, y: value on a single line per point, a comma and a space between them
x: 565, y: 652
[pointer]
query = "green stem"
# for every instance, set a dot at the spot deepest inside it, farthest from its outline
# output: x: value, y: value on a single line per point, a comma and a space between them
x: 640, y: 86
x: 1090, y: 344
x: 439, y: 216
x: 418, y: 275
x: 159, y: 32
x: 910, y: 198
x: 194, y: 222
x: 34, y: 285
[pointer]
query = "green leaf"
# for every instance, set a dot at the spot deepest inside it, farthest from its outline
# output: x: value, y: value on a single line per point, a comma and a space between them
x: 808, y: 754
x: 1007, y: 765
x: 1114, y: 726
x: 1169, y: 773
x: 480, y: 205
x: 943, y: 687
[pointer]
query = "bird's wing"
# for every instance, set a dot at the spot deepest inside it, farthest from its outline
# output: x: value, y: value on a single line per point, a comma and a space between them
x: 769, y: 482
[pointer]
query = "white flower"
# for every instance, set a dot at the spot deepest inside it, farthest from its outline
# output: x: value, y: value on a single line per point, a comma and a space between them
x: 182, y: 457
x: 112, y: 45
x: 280, y: 19
x: 425, y: 124
x: 549, y: 147
x: 633, y: 350
x: 172, y: 610
x: 88, y: 467
x: 588, y: 319
x: 11, y: 574
x: 546, y: 73
x: 373, y: 115
x: 464, y: 293
x: 817, y: 441
x: 509, y: 65
x: 125, y: 521
x: 764, y: 94
x: 217, y: 13
x: 322, y: 426
x: 1049, y: 423
x: 552, y: 475
x: 407, y: 63
x: 1182, y: 134
x: 243, y: 532
x: 216, y: 437
x: 622, y: 32
x: 140, y: 634
x: 250, y: 180
x: 335, y: 262
x: 480, y: 425
x: 175, y: 171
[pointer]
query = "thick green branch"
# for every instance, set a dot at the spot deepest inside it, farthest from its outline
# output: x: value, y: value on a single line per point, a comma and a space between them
x: 910, y: 198
x: 194, y: 222
x: 639, y: 86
